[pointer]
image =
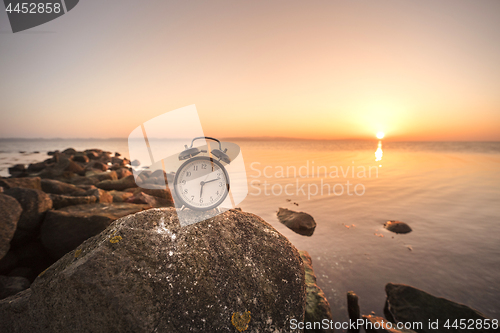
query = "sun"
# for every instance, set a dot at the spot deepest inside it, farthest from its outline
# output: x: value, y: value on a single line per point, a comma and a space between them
x: 380, y: 135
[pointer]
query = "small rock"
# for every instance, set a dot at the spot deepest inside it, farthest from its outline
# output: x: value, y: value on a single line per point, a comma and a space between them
x: 25, y: 182
x: 81, y: 157
x: 69, y: 151
x: 123, y: 172
x: 10, y: 212
x: 118, y: 185
x: 97, y: 165
x: 60, y: 201
x: 151, y: 201
x: 397, y: 227
x: 17, y: 169
x: 101, y: 195
x: 58, y: 187
x: 36, y: 167
x: 119, y: 196
x: 300, y: 222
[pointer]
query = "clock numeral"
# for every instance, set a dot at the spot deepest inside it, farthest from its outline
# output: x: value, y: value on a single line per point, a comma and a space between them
x: 220, y: 184
x: 192, y: 197
x: 212, y: 199
x: 201, y: 200
x: 188, y: 174
x: 218, y: 174
x: 183, y: 182
x: 203, y: 166
x: 195, y: 167
x: 217, y: 193
x: 186, y: 191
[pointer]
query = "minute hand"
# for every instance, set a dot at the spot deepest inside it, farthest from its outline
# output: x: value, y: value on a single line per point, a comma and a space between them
x: 212, y: 180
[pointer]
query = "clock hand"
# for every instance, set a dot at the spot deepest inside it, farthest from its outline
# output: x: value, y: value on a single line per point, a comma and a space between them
x: 211, y: 181
x: 201, y: 191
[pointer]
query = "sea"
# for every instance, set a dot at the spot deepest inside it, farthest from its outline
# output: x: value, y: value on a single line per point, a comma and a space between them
x: 447, y: 192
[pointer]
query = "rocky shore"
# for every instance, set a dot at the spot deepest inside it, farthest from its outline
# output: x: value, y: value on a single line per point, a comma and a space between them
x: 84, y: 248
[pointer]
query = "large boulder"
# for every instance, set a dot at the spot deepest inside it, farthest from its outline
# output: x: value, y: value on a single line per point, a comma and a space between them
x: 118, y: 185
x: 66, y: 228
x: 300, y: 222
x: 35, y: 204
x: 25, y: 182
x: 317, y: 306
x: 408, y: 304
x: 10, y: 211
x: 146, y: 273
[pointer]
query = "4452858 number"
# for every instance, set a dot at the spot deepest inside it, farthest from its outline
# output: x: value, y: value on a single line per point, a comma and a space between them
x: 471, y: 324
x: 34, y: 8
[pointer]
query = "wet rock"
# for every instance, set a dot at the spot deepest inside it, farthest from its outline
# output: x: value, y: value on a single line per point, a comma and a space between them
x: 145, y: 273
x: 10, y: 212
x: 58, y: 187
x: 34, y: 204
x: 60, y: 201
x: 353, y: 309
x: 300, y: 222
x: 25, y: 182
x: 118, y: 185
x: 143, y: 198
x: 374, y: 324
x: 65, y: 229
x: 408, y: 304
x: 317, y: 306
x: 11, y: 285
x: 397, y: 227
x: 120, y: 196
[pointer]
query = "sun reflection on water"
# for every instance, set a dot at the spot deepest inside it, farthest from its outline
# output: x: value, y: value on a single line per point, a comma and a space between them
x: 379, y: 153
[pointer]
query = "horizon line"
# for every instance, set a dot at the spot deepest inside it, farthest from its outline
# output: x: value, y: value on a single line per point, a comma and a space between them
x: 249, y: 138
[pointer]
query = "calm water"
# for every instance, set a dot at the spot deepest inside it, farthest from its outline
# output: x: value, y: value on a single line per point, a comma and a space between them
x: 449, y: 193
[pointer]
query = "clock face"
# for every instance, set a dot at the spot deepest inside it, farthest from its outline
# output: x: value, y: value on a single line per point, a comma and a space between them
x: 201, y: 183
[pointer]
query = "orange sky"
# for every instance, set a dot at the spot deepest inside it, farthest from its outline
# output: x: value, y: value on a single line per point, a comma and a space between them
x: 322, y: 70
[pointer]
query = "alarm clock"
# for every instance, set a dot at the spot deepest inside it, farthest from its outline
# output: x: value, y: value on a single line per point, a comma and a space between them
x: 202, y: 182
